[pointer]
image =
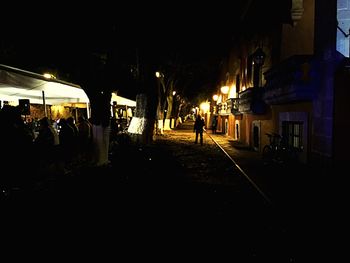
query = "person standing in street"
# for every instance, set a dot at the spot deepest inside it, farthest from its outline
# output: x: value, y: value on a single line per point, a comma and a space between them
x: 199, y: 125
x: 214, y: 124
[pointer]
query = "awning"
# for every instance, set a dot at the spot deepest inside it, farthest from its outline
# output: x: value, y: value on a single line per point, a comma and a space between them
x: 122, y: 101
x: 18, y: 84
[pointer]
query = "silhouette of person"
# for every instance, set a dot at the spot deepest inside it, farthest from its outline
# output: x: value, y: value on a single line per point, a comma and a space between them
x: 84, y: 131
x: 84, y: 137
x: 214, y: 124
x: 199, y: 128
x: 68, y: 142
x: 16, y: 144
x: 47, y: 136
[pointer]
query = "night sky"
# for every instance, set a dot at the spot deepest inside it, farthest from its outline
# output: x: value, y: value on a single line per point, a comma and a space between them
x: 57, y: 37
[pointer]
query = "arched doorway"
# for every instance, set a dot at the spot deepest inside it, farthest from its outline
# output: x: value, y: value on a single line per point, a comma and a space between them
x: 237, y: 130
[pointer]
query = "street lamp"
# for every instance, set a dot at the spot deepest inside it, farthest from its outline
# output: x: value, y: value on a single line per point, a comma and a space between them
x: 259, y: 59
x: 159, y: 74
x: 225, y: 89
x: 49, y: 76
x: 205, y: 106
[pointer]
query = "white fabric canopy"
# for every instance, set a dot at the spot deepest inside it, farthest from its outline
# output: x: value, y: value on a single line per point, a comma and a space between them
x: 18, y: 84
x: 122, y: 101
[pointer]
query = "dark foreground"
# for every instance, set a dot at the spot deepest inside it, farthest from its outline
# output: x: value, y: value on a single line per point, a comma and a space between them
x: 172, y: 198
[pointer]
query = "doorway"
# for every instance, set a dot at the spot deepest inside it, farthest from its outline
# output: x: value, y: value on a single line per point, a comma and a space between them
x: 237, y: 131
x: 256, y: 135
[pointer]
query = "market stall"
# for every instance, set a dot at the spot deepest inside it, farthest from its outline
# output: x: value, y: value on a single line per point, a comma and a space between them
x: 122, y: 108
x: 17, y: 85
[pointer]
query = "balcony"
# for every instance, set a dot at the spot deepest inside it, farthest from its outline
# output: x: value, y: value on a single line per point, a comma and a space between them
x: 250, y: 101
x: 290, y: 81
x: 223, y: 109
x: 232, y: 106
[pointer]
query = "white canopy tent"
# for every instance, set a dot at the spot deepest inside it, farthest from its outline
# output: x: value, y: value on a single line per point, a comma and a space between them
x: 126, y: 104
x: 18, y: 84
x: 122, y: 101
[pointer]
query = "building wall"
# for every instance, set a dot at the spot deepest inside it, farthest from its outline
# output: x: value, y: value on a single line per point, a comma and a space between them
x: 343, y: 17
x: 231, y: 126
x: 328, y: 60
x: 302, y: 112
x: 271, y: 123
x: 314, y: 34
x: 298, y: 39
x: 267, y: 126
x: 222, y: 119
x: 219, y: 125
x: 341, y: 108
x: 341, y: 118
x: 246, y: 128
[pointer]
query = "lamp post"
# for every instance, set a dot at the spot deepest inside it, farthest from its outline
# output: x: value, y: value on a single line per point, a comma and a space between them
x: 259, y: 59
x: 224, y: 91
x: 215, y: 99
x: 173, y: 115
x: 160, y: 113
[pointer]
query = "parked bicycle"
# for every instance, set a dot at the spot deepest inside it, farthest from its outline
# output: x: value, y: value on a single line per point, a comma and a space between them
x: 278, y: 151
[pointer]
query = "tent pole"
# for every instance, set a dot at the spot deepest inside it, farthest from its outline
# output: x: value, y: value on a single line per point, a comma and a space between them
x: 44, y: 103
x: 127, y: 118
x: 76, y: 114
x: 88, y: 110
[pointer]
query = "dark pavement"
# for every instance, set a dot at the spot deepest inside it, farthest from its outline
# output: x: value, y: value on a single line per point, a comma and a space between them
x: 173, y: 190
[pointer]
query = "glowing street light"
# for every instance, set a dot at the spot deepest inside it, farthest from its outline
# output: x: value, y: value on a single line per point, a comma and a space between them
x: 49, y: 76
x: 205, y: 106
x: 215, y: 97
x: 225, y: 89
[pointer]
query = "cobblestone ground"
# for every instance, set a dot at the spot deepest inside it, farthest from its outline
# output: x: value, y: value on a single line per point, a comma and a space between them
x: 199, y: 190
x: 171, y: 192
